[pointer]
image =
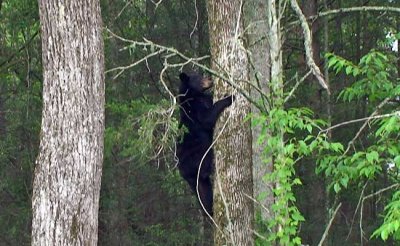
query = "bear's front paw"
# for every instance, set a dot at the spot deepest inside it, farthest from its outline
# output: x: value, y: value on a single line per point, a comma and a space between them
x: 229, y: 99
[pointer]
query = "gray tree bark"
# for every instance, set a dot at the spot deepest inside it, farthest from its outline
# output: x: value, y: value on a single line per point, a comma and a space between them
x: 276, y: 82
x: 66, y: 186
x: 233, y: 210
x: 255, y: 15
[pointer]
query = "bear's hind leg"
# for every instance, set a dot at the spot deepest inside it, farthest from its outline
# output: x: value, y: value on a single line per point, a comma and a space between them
x: 206, y: 194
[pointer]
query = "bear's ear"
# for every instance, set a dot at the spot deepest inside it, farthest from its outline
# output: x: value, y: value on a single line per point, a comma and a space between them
x: 184, y: 77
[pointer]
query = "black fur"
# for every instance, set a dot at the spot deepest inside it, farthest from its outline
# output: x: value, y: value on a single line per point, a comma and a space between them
x: 198, y: 114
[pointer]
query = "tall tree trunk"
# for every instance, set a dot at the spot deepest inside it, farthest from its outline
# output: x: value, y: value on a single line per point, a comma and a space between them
x: 233, y: 209
x: 277, y: 101
x: 66, y: 186
x: 255, y: 15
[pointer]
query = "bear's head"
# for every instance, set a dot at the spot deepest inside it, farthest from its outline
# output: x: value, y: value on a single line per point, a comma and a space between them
x: 196, y: 82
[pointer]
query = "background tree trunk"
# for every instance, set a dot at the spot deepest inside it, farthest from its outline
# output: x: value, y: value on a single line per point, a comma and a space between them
x: 255, y: 15
x: 233, y: 210
x: 66, y: 187
x: 276, y: 86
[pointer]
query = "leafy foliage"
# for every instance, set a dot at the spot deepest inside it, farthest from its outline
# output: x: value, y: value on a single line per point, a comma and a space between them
x: 287, y: 137
x: 375, y: 82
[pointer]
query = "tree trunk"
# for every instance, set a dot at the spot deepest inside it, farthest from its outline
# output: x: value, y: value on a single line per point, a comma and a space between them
x: 277, y: 97
x: 233, y: 210
x: 66, y: 186
x: 255, y: 15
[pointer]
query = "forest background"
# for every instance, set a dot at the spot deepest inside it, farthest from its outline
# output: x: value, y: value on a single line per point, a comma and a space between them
x: 348, y: 173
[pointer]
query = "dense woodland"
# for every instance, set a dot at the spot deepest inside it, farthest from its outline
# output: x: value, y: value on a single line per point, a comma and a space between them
x: 326, y: 152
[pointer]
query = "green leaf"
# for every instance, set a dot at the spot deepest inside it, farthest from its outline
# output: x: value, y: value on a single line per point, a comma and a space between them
x: 344, y: 181
x: 356, y: 72
x: 332, y: 61
x: 372, y: 156
x: 337, y: 147
x: 337, y: 188
x: 309, y: 128
x: 397, y: 161
x: 349, y: 70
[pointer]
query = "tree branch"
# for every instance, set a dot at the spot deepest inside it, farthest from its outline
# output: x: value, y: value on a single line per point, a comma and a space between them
x: 357, y: 9
x: 361, y: 119
x: 307, y: 45
x: 297, y: 85
x: 329, y: 225
x: 21, y: 48
x: 362, y: 206
x: 383, y: 103
x: 173, y: 52
x: 349, y: 10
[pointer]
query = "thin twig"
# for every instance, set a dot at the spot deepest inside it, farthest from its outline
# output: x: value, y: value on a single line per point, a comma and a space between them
x: 383, y: 103
x: 297, y: 85
x: 329, y: 225
x: 358, y: 206
x: 122, y: 69
x: 361, y: 119
x: 20, y: 49
x: 381, y: 191
x: 349, y: 10
x: 123, y: 9
x: 357, y: 9
x: 194, y: 61
x: 362, y: 206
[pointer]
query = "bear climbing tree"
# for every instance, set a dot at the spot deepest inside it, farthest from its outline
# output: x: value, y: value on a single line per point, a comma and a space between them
x: 198, y: 114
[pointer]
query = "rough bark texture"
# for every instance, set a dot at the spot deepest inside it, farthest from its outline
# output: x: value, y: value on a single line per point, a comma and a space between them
x: 66, y: 186
x: 233, y: 210
x: 255, y: 15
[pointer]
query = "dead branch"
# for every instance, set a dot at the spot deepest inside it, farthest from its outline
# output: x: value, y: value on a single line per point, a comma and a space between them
x: 307, y: 45
x: 357, y: 9
x: 329, y: 225
x: 297, y: 85
x: 362, y: 206
x: 361, y: 119
x: 358, y: 206
x: 383, y: 103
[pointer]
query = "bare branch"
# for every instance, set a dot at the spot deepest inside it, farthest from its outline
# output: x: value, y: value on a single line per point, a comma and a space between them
x: 358, y: 9
x: 307, y: 45
x: 358, y: 206
x: 383, y: 103
x: 329, y: 225
x: 362, y: 206
x: 381, y: 191
x: 349, y: 10
x: 195, y: 61
x: 20, y: 49
x: 122, y: 69
x: 297, y: 85
x: 361, y: 119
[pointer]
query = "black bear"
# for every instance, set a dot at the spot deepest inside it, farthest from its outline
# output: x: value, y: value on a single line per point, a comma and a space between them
x: 198, y: 114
